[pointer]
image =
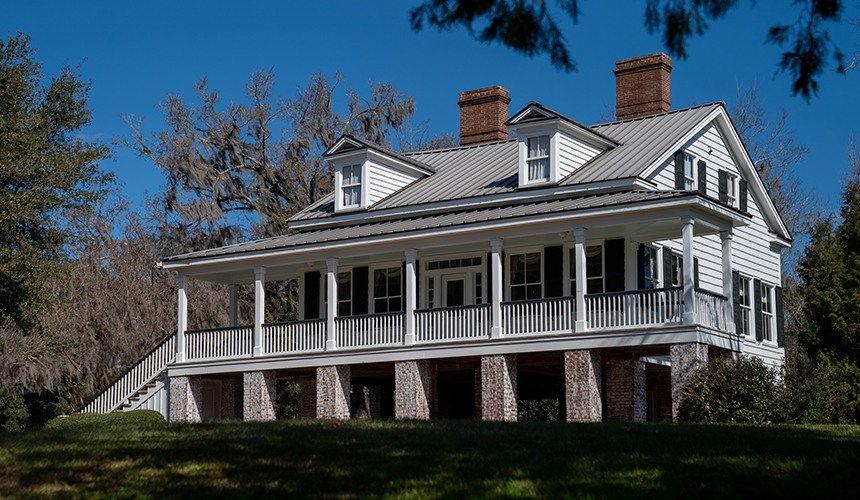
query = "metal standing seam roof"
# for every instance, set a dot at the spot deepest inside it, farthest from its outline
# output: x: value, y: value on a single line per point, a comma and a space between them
x: 492, y: 168
x: 435, y: 221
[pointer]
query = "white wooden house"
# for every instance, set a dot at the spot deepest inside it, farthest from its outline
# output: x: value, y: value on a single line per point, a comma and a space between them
x: 593, y: 264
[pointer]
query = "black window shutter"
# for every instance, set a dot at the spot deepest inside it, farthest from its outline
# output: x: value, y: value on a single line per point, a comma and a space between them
x: 736, y: 299
x: 360, y: 276
x: 614, y: 261
x: 703, y: 177
x: 640, y: 267
x: 757, y: 306
x: 696, y: 272
x: 724, y: 186
x: 312, y: 294
x: 417, y: 284
x: 667, y: 267
x: 780, y: 320
x: 403, y: 287
x: 553, y: 267
x: 489, y: 278
x: 742, y: 195
x: 679, y: 170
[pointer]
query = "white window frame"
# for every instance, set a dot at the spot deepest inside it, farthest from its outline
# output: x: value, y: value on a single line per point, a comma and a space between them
x: 679, y: 258
x: 690, y: 177
x: 746, y: 309
x: 509, y: 275
x: 439, y: 275
x: 371, y: 285
x: 363, y: 185
x: 324, y: 290
x: 767, y: 316
x: 531, y: 159
x: 351, y: 187
x: 658, y: 253
x: 554, y: 137
x: 732, y: 188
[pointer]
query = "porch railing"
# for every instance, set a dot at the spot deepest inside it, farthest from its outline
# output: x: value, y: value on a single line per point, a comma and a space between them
x: 452, y: 323
x: 134, y: 379
x: 635, y: 308
x: 529, y: 317
x: 295, y: 336
x: 228, y: 342
x: 369, y: 330
x: 713, y: 309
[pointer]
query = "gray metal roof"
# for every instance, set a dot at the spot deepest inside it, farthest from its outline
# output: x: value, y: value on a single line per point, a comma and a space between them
x: 492, y: 168
x: 381, y: 150
x: 643, y: 141
x: 435, y: 221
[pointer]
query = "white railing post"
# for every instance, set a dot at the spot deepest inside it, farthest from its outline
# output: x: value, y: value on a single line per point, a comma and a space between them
x: 581, y: 323
x: 689, y: 301
x: 259, y: 309
x: 409, y: 334
x: 726, y: 237
x: 182, y: 323
x: 498, y: 329
x: 233, y: 292
x: 331, y: 309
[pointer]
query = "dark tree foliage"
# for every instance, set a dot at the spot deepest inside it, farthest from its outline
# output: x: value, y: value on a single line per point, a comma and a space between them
x: 830, y: 272
x: 46, y: 169
x: 530, y: 27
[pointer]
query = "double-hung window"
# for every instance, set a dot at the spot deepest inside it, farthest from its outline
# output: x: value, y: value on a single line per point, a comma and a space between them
x: 767, y: 312
x: 677, y: 269
x: 344, y: 294
x: 351, y: 185
x: 689, y: 172
x: 537, y: 159
x: 732, y: 189
x: 387, y: 290
x: 593, y: 269
x: 744, y: 292
x: 526, y: 283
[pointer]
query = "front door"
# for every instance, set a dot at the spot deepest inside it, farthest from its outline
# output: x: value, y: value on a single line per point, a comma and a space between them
x: 454, y: 290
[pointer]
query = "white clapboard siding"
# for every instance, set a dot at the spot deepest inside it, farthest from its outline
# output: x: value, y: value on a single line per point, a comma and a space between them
x: 752, y: 253
x: 385, y: 180
x: 573, y: 152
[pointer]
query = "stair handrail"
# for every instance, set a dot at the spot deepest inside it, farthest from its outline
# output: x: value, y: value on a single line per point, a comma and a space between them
x: 129, y: 370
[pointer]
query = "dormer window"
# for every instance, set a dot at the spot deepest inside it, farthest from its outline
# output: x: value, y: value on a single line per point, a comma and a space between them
x: 689, y: 173
x: 351, y: 186
x: 538, y: 158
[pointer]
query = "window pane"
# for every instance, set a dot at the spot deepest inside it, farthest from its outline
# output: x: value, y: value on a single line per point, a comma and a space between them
x: 380, y: 305
x: 379, y: 281
x: 594, y: 261
x: 394, y: 304
x: 344, y: 286
x: 518, y: 293
x: 533, y: 268
x: 344, y: 308
x: 534, y: 292
x: 518, y: 269
x: 595, y: 285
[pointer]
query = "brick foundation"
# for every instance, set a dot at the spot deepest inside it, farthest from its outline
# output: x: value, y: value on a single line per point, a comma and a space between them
x: 231, y: 399
x: 499, y: 388
x: 308, y: 397
x: 185, y: 399
x: 686, y: 358
x: 260, y: 396
x: 413, y: 390
x: 333, y: 392
x: 582, y: 374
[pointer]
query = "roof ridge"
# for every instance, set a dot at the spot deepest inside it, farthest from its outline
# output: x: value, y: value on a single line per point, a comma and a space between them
x: 454, y: 148
x: 722, y: 103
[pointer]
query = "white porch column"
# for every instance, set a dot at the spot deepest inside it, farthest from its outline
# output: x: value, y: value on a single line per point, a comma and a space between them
x: 581, y: 323
x: 726, y: 237
x: 233, y: 292
x: 182, y: 323
x: 331, y: 304
x: 689, y: 304
x: 259, y: 308
x: 409, y: 337
x: 498, y: 328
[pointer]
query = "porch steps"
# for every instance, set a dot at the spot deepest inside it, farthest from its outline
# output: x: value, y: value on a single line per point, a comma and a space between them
x: 137, y: 396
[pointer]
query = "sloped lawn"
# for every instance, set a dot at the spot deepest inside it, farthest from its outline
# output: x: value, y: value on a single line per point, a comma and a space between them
x: 439, y: 460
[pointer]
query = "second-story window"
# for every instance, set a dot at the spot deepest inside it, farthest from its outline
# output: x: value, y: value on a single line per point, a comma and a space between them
x: 689, y: 172
x: 537, y: 161
x: 387, y: 290
x: 344, y: 294
x: 650, y: 268
x: 526, y: 276
x: 745, y: 305
x: 677, y: 269
x: 593, y: 269
x: 352, y: 186
x: 767, y: 312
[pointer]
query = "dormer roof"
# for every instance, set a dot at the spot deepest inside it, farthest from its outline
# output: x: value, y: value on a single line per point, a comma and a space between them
x: 535, y: 113
x: 348, y: 144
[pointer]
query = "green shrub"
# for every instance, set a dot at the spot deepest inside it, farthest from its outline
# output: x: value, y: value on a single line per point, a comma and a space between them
x: 288, y: 402
x: 13, y: 412
x: 538, y: 409
x: 732, y: 391
x: 136, y: 418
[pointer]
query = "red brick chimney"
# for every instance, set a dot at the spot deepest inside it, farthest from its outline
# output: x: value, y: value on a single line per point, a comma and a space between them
x: 483, y: 114
x: 643, y: 86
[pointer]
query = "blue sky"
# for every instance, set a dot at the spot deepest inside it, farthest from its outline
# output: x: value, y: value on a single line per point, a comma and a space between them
x: 138, y: 52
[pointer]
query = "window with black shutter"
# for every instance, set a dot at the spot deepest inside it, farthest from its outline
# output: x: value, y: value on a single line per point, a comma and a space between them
x: 724, y: 186
x: 757, y: 306
x: 703, y: 177
x: 312, y: 294
x: 742, y: 195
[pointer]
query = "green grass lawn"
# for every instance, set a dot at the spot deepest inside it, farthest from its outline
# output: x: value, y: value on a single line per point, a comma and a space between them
x: 447, y: 459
